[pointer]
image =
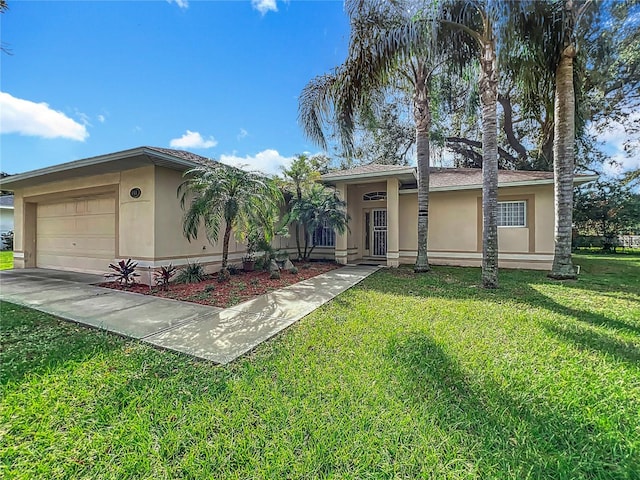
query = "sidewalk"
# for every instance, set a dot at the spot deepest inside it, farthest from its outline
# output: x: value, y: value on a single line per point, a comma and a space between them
x: 219, y: 335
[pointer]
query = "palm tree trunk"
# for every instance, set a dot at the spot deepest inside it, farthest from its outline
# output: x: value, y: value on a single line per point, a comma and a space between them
x: 563, y: 155
x: 298, y: 241
x: 422, y: 116
x: 489, y: 96
x: 299, y: 197
x: 225, y: 245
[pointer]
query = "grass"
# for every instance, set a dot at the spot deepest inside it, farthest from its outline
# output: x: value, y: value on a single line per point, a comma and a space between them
x: 6, y: 260
x: 403, y: 376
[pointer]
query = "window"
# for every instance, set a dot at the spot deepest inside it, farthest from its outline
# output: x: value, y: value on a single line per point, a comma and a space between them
x: 512, y: 214
x: 371, y: 196
x: 324, y: 236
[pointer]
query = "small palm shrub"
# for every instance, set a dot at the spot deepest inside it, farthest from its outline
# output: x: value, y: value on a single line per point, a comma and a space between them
x: 124, y: 272
x: 191, y: 273
x: 163, y: 276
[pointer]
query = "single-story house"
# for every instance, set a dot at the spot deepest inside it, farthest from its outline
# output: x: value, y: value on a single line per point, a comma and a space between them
x: 83, y: 215
x: 6, y: 215
x: 382, y: 201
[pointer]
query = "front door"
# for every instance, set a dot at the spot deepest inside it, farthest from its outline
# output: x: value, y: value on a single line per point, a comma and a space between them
x: 379, y: 233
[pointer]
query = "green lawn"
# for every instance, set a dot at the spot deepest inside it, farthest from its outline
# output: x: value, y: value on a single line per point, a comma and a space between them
x: 6, y: 260
x: 400, y: 377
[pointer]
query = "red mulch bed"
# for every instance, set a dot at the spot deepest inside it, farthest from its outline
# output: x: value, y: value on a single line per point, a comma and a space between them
x: 241, y: 287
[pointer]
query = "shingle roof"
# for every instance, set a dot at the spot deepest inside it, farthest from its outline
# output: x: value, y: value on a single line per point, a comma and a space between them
x: 366, y: 169
x: 448, y: 177
x: 460, y: 177
x: 6, y: 201
x: 184, y: 155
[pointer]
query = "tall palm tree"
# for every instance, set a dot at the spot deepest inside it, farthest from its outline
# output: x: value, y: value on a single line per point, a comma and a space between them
x: 564, y: 146
x: 480, y: 20
x: 215, y: 194
x: 550, y: 59
x: 384, y: 43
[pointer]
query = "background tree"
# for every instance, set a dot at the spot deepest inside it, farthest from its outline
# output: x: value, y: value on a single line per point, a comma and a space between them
x: 218, y: 194
x: 607, y: 209
x: 385, y: 134
x: 4, y: 48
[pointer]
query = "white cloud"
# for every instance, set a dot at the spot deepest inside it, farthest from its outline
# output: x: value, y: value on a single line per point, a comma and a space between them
x: 101, y: 118
x: 622, y: 147
x: 243, y: 133
x: 263, y: 6
x: 621, y: 163
x: 193, y: 140
x: 268, y: 161
x: 180, y: 3
x: 84, y: 118
x: 37, y: 119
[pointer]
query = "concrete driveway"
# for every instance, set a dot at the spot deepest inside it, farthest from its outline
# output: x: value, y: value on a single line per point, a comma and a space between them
x: 216, y: 334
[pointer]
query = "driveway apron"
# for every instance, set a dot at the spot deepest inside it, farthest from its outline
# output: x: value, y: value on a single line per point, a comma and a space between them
x: 215, y: 334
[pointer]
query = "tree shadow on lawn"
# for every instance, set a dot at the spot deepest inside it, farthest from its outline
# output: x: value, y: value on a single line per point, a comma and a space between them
x: 525, y: 436
x: 462, y: 283
x: 34, y: 343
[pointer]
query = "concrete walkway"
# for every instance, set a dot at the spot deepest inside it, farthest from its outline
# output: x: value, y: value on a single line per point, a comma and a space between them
x: 211, y: 333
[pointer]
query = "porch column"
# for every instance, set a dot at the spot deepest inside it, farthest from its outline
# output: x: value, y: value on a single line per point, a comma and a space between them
x: 393, y: 222
x: 341, y: 239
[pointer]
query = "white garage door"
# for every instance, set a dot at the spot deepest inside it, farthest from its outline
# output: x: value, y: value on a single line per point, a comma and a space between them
x: 77, y: 234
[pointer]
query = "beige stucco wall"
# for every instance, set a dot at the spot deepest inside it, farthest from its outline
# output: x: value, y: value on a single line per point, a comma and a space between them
x: 453, y: 221
x: 455, y: 225
x: 136, y: 215
x: 170, y: 242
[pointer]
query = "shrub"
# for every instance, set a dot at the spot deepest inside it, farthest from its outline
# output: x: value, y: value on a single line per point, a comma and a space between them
x: 234, y: 269
x: 7, y: 240
x: 124, y: 272
x: 209, y: 288
x: 262, y: 263
x: 163, y: 276
x: 191, y: 273
x: 223, y: 275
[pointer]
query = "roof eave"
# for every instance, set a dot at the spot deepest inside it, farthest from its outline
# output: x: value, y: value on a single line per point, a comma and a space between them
x: 364, y: 176
x: 524, y: 183
x: 8, y: 182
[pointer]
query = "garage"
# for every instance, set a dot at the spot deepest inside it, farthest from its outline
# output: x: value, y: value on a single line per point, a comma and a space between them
x: 76, y: 234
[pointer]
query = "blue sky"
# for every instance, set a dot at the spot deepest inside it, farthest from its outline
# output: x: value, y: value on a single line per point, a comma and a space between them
x: 219, y: 78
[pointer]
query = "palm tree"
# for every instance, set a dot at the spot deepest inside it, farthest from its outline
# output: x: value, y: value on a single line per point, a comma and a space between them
x: 564, y: 146
x: 479, y: 20
x: 216, y: 193
x: 550, y: 55
x: 385, y: 43
x: 299, y: 178
x: 320, y: 207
